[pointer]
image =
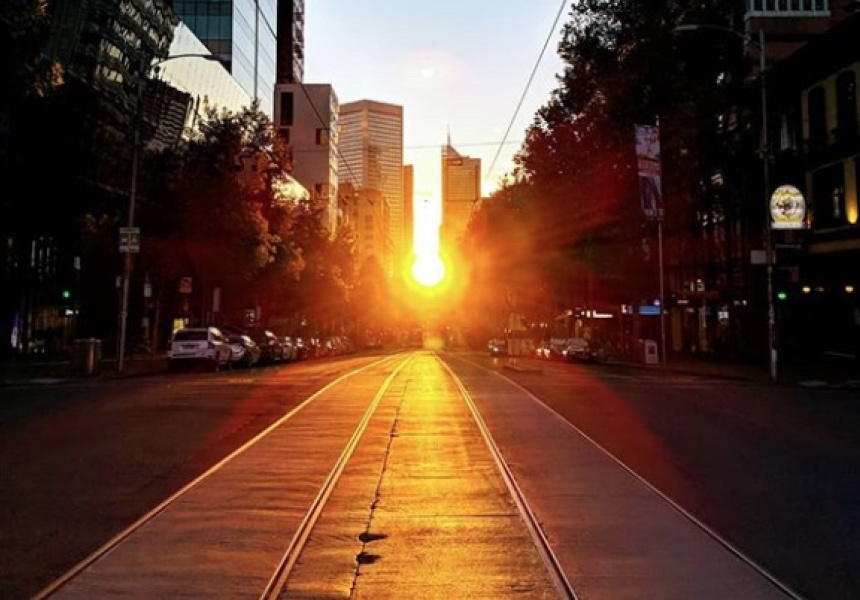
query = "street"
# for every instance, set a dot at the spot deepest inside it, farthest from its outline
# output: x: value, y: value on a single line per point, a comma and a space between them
x: 771, y: 471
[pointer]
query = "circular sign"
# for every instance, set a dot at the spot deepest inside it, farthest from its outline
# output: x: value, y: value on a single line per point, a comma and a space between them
x: 787, y: 208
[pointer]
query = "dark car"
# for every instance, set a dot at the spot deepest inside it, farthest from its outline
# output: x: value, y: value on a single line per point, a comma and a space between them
x: 246, y: 352
x: 271, y: 347
x: 497, y: 347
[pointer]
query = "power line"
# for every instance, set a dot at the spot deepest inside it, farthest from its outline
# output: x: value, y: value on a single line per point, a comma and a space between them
x: 528, y: 85
x: 461, y: 145
x: 328, y: 129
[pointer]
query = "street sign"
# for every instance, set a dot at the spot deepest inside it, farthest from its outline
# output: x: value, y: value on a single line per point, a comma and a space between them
x: 129, y: 239
x: 185, y: 285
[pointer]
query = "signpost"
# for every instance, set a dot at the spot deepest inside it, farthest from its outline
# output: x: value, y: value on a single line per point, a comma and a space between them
x: 129, y: 239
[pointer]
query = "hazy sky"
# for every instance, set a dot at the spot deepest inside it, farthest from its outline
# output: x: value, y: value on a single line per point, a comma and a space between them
x: 454, y: 65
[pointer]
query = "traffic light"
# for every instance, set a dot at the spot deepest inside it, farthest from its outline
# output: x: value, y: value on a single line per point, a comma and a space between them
x: 67, y: 303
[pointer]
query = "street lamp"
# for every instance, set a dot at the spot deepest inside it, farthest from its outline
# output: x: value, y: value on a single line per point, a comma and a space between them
x: 765, y: 161
x: 132, y: 197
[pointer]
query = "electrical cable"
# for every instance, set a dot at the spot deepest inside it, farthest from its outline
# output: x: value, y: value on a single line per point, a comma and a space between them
x: 328, y: 129
x: 528, y: 85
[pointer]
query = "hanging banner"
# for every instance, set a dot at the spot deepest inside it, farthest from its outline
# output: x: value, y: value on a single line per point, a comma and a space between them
x: 649, y: 168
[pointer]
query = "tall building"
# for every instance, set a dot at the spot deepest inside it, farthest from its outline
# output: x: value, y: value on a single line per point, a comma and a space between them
x: 242, y: 33
x: 186, y: 88
x: 367, y: 215
x: 408, y: 214
x: 291, y: 41
x: 371, y: 159
x: 306, y: 117
x: 461, y: 191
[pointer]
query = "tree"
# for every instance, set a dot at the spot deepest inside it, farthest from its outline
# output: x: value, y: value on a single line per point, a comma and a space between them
x: 578, y: 160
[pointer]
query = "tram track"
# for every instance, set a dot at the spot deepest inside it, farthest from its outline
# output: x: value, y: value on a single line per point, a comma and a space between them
x: 357, y: 413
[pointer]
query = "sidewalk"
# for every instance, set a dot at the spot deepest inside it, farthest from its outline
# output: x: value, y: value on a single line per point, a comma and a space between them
x: 830, y: 372
x: 59, y: 371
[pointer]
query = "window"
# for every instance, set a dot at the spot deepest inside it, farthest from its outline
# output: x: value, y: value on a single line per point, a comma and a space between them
x: 286, y: 109
x: 817, y: 116
x: 846, y: 104
x: 322, y: 137
x: 787, y: 8
x: 789, y: 127
x: 828, y: 197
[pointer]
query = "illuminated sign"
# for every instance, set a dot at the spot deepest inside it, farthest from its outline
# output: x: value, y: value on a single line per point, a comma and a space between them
x: 787, y: 208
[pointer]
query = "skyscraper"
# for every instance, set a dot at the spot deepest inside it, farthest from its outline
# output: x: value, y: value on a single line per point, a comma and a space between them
x: 242, y: 33
x: 408, y: 212
x: 291, y: 41
x: 461, y: 191
x: 371, y: 159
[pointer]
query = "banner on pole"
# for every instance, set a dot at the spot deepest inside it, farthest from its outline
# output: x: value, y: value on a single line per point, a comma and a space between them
x: 649, y: 169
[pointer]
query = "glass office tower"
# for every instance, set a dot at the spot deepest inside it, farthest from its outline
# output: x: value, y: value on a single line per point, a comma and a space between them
x: 244, y: 34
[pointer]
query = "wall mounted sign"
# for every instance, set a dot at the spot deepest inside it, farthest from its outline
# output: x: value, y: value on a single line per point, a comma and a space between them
x: 787, y: 208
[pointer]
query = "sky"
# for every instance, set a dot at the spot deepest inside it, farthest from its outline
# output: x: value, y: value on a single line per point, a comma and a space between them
x: 455, y: 66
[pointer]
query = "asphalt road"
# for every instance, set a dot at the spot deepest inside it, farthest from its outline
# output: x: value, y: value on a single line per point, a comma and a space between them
x: 775, y: 471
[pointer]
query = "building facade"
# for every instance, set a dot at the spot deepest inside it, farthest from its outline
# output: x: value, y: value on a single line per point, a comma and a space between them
x: 306, y: 118
x: 719, y: 289
x: 370, y: 152
x: 408, y: 216
x: 367, y: 215
x: 185, y: 88
x: 461, y: 192
x: 817, y: 281
x: 243, y: 34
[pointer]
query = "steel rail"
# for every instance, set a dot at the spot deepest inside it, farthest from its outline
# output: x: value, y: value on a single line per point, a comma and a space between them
x: 281, y: 575
x: 126, y: 533
x: 550, y: 560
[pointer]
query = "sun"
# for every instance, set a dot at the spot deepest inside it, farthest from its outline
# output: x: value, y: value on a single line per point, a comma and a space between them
x: 428, y: 270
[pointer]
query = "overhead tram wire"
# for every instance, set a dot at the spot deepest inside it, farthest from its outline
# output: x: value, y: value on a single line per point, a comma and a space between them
x: 528, y: 85
x: 436, y: 146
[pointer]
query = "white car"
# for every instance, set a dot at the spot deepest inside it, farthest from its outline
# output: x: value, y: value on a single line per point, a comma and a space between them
x: 199, y: 345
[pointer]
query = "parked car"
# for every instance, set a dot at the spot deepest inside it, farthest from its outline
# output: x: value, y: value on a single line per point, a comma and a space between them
x: 246, y: 352
x: 497, y: 347
x: 271, y: 346
x: 551, y: 349
x: 199, y: 345
x: 291, y: 350
x: 302, y: 350
x: 580, y: 350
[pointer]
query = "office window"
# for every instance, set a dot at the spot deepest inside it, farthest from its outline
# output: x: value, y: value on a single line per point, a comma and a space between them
x: 322, y: 137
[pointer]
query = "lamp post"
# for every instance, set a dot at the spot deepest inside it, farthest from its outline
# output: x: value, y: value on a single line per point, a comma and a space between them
x: 132, y: 198
x: 764, y: 149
